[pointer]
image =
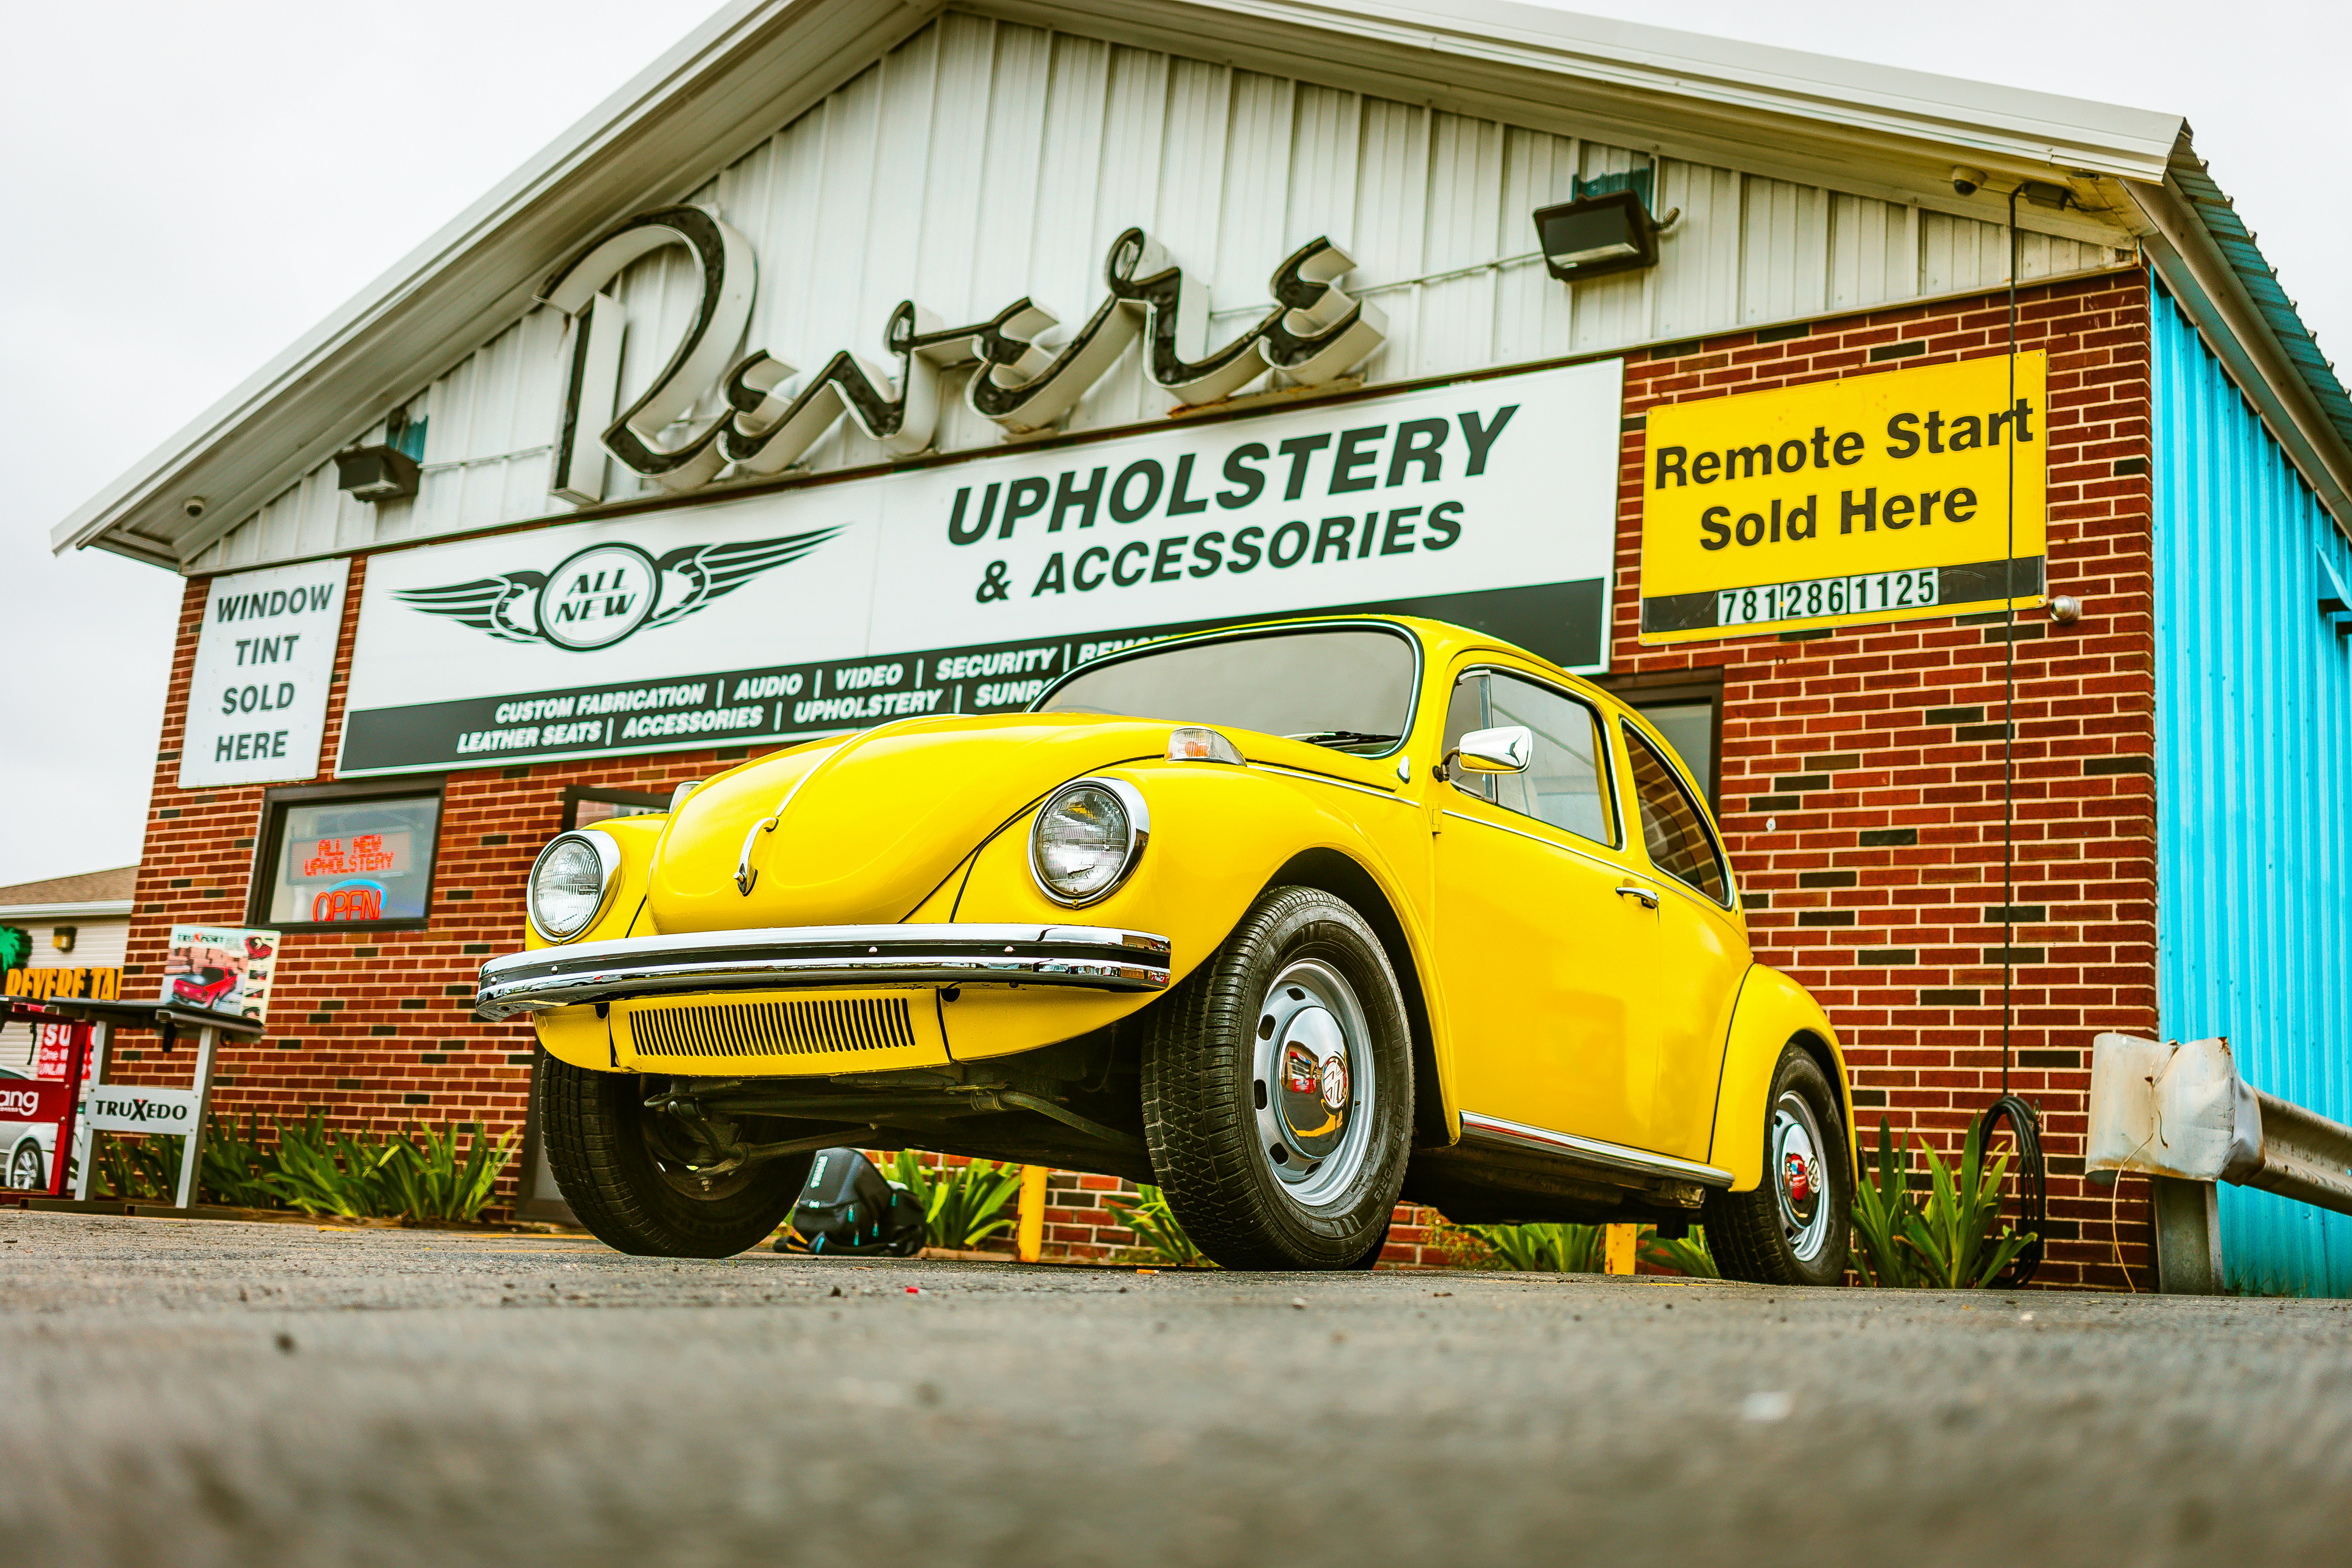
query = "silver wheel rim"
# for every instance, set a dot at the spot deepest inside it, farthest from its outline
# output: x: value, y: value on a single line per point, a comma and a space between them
x: 27, y: 1169
x: 1799, y: 1177
x: 1311, y: 1083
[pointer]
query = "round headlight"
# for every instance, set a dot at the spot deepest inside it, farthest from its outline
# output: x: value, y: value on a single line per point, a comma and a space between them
x: 1087, y: 839
x: 569, y: 882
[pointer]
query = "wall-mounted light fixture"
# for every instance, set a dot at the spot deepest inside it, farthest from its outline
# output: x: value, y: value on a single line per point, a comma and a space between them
x: 62, y: 937
x: 1606, y: 228
x: 381, y: 471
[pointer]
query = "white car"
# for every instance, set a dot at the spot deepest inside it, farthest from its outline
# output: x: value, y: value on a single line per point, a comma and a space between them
x: 27, y: 1144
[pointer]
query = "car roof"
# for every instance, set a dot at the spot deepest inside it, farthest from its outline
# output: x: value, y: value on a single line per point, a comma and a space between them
x: 1440, y: 639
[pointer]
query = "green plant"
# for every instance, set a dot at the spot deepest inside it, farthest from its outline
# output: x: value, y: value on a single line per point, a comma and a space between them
x: 232, y: 1168
x: 963, y: 1206
x: 1561, y: 1247
x: 1687, y: 1255
x: 1940, y: 1238
x: 426, y: 1179
x: 335, y: 1174
x: 1156, y: 1228
x: 1551, y: 1246
x: 135, y: 1168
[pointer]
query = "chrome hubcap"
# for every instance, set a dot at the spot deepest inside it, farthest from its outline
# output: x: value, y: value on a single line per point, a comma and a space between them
x: 1800, y: 1177
x: 28, y: 1170
x: 1310, y: 1083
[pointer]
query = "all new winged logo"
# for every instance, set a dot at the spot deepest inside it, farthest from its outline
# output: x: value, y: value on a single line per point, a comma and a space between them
x: 600, y: 595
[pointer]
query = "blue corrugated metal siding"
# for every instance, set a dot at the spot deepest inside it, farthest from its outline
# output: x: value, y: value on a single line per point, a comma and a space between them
x: 2253, y: 764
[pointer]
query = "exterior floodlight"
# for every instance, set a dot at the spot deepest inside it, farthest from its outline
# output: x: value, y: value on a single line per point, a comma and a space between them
x: 1595, y: 235
x: 376, y: 473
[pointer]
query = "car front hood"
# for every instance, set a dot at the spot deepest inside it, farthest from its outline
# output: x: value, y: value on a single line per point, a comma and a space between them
x: 873, y: 824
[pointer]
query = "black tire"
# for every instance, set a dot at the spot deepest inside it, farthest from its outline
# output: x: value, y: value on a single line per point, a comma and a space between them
x: 1792, y: 1229
x: 601, y: 1144
x: 1212, y: 1152
x: 28, y: 1168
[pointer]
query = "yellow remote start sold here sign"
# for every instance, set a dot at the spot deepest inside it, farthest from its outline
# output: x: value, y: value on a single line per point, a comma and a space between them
x: 1881, y: 497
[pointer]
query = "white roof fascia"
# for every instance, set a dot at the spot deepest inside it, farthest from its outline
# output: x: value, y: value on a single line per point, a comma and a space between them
x: 758, y: 63
x: 1881, y: 101
x: 46, y: 915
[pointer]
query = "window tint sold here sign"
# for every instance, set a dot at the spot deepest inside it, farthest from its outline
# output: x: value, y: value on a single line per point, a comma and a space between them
x: 1881, y: 497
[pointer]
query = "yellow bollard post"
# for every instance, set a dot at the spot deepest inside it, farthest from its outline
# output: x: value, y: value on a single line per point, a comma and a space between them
x: 1618, y: 1244
x: 1029, y: 1233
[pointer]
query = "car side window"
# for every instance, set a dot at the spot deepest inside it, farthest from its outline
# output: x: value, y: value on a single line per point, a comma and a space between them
x: 1565, y: 786
x: 1467, y: 711
x: 1673, y: 829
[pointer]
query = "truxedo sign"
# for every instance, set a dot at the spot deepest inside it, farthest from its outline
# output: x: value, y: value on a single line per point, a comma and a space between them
x: 967, y: 586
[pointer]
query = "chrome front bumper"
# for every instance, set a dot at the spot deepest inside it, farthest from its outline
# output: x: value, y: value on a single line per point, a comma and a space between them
x: 780, y: 958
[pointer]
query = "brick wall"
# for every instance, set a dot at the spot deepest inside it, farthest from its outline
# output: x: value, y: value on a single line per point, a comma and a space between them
x: 1861, y: 787
x: 1862, y: 768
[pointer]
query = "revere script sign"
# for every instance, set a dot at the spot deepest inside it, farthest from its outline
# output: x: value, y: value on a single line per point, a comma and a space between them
x: 964, y: 588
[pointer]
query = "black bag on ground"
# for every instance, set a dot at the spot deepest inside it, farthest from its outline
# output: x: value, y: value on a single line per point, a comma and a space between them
x: 846, y: 1205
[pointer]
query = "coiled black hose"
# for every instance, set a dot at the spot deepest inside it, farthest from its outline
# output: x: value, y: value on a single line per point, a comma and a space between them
x: 2031, y: 1171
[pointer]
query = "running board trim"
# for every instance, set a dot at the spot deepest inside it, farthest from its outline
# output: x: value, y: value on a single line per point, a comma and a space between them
x: 1589, y: 1151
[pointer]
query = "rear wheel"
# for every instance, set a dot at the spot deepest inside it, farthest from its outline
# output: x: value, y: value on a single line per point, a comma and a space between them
x: 1793, y: 1228
x: 29, y: 1169
x: 1277, y: 1089
x: 626, y: 1176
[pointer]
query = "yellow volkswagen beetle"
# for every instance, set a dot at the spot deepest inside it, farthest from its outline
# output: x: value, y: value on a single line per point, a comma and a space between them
x: 1291, y: 919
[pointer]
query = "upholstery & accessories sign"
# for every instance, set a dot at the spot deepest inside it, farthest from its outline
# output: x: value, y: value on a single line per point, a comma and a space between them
x: 965, y: 587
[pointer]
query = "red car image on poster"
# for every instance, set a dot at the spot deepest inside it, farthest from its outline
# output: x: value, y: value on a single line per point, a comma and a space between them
x: 220, y: 969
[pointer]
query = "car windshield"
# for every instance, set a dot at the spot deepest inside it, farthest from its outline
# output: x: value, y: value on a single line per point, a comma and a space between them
x: 1346, y: 686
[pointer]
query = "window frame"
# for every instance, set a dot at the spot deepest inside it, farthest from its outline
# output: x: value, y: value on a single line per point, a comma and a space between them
x: 1678, y: 686
x: 1604, y: 752
x: 1633, y: 731
x: 575, y: 794
x: 269, y: 842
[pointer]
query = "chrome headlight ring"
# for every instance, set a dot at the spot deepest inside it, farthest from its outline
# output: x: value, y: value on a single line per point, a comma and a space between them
x: 608, y: 862
x: 1129, y: 801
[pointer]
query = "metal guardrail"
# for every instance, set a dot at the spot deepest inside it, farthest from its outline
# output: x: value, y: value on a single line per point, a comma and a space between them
x: 2182, y: 1116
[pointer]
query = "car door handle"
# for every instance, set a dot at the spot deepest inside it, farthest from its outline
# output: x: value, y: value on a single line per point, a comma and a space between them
x: 1648, y: 896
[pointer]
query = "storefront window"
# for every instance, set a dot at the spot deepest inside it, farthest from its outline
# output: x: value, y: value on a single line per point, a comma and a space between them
x: 350, y: 861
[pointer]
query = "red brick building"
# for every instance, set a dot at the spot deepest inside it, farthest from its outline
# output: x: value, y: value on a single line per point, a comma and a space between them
x: 1860, y: 762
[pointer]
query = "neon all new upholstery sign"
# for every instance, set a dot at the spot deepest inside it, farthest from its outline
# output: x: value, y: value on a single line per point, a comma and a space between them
x: 964, y: 588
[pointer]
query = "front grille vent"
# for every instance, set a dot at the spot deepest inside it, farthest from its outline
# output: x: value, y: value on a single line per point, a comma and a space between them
x: 774, y: 1028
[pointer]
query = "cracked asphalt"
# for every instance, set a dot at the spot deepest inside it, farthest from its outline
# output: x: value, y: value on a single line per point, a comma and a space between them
x: 213, y: 1393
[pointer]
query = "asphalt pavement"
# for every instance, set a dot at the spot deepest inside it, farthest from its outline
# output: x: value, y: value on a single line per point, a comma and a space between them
x: 175, y: 1392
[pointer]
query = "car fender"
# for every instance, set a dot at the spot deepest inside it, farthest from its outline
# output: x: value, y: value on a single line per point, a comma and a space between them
x: 1772, y: 1011
x: 1220, y: 836
x: 578, y: 1035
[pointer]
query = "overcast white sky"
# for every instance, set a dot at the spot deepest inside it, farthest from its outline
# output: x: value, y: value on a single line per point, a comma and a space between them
x: 190, y: 188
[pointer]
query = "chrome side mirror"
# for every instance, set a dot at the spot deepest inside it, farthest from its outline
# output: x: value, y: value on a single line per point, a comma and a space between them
x: 1507, y: 749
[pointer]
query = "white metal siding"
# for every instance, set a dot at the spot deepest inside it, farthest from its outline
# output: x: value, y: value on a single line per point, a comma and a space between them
x: 985, y: 160
x: 98, y: 944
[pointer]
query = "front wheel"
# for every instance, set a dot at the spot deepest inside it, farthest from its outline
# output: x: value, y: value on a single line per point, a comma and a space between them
x: 28, y: 1170
x: 1277, y: 1089
x: 617, y: 1167
x: 1793, y: 1228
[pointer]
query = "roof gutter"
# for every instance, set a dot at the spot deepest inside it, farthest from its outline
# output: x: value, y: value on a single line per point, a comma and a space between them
x: 2204, y: 255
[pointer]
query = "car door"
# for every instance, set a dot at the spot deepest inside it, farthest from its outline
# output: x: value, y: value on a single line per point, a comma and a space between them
x: 1536, y: 941
x: 1698, y: 944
